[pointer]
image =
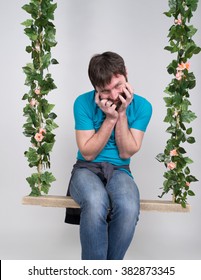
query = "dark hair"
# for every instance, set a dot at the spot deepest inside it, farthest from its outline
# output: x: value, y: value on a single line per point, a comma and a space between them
x: 103, y: 66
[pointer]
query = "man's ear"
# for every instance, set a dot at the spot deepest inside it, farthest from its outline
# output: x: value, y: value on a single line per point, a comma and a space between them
x: 126, y: 74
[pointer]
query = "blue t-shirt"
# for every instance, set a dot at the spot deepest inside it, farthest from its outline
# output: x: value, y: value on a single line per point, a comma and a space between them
x: 88, y: 116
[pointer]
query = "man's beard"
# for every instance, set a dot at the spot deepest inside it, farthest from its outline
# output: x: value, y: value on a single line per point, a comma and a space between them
x: 118, y: 103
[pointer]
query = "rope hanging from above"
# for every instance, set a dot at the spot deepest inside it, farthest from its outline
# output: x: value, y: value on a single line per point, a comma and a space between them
x: 178, y: 177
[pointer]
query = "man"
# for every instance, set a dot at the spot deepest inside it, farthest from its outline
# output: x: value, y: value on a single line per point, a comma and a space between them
x: 110, y: 122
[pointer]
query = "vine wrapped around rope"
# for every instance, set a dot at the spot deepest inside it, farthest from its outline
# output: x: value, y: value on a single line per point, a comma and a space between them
x: 40, y: 122
x: 178, y: 177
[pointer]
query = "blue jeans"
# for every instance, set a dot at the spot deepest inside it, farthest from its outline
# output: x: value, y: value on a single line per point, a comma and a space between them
x: 109, y: 213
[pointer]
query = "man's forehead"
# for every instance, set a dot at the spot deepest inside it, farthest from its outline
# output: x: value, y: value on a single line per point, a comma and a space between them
x: 116, y: 80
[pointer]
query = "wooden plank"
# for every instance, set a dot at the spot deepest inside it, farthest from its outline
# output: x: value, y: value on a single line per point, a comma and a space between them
x: 163, y: 206
x: 68, y: 202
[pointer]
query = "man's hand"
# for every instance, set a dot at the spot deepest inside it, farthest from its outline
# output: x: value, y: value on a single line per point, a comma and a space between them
x: 125, y: 101
x: 107, y: 107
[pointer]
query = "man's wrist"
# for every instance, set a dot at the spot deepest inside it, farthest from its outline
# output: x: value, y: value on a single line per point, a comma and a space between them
x: 122, y: 114
x: 111, y: 120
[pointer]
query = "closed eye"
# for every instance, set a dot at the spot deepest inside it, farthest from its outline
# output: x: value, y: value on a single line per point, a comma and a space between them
x: 117, y: 86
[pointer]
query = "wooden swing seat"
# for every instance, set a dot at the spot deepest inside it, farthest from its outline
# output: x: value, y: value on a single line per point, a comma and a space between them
x: 68, y: 202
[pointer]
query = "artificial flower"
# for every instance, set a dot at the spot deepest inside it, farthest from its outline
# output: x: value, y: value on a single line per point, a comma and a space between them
x: 187, y: 184
x: 33, y: 102
x: 178, y: 21
x: 39, y: 137
x: 173, y: 153
x: 182, y: 66
x: 179, y: 75
x: 171, y: 165
x: 42, y: 130
x: 37, y: 90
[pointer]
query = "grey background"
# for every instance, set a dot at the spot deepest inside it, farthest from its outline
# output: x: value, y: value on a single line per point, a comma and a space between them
x: 138, y: 31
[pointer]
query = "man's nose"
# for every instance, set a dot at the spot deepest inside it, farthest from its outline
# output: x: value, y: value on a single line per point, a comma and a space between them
x: 114, y: 94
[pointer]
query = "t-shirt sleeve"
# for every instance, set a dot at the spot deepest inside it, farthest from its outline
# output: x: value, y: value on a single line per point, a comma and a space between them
x: 82, y: 115
x: 143, y: 116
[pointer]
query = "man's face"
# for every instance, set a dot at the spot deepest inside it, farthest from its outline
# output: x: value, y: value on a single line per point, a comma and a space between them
x: 113, y: 89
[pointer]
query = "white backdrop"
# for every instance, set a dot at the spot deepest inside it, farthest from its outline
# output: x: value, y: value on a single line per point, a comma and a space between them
x: 137, y: 30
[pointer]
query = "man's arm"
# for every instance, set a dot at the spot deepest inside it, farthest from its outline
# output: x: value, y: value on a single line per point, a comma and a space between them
x: 128, y: 140
x: 91, y: 143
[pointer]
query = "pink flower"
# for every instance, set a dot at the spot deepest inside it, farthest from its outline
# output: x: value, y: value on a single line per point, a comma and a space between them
x: 42, y: 131
x: 173, y: 153
x: 178, y: 21
x: 33, y: 102
x: 37, y: 90
x: 183, y: 66
x: 179, y: 75
x: 171, y: 165
x: 187, y: 65
x: 39, y: 137
x: 187, y: 184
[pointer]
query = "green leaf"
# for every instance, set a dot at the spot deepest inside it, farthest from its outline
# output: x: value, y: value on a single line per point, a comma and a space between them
x: 47, y: 147
x: 45, y: 188
x: 51, y: 125
x: 46, y: 60
x: 25, y: 96
x: 31, y: 9
x: 181, y: 150
x: 190, y: 51
x: 49, y: 38
x: 183, y: 204
x: 191, y: 193
x: 168, y: 101
x: 47, y: 177
x: 47, y: 109
x: 29, y: 49
x: 192, y: 4
x: 168, y: 14
x: 52, y: 116
x: 35, y: 192
x: 27, y: 22
x: 191, y: 178
x: 191, y: 140
x: 168, y: 48
x: 49, y: 137
x: 197, y: 50
x: 29, y: 130
x: 32, y: 180
x: 188, y: 160
x: 172, y: 4
x: 32, y: 156
x: 191, y: 31
x: 191, y: 84
x: 54, y: 61
x: 187, y: 170
x: 31, y: 33
x: 171, y: 129
x: 188, y: 116
x: 160, y: 157
x: 28, y: 8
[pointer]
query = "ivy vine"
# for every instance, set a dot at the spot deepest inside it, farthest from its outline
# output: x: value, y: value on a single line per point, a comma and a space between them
x: 178, y: 177
x: 40, y: 119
